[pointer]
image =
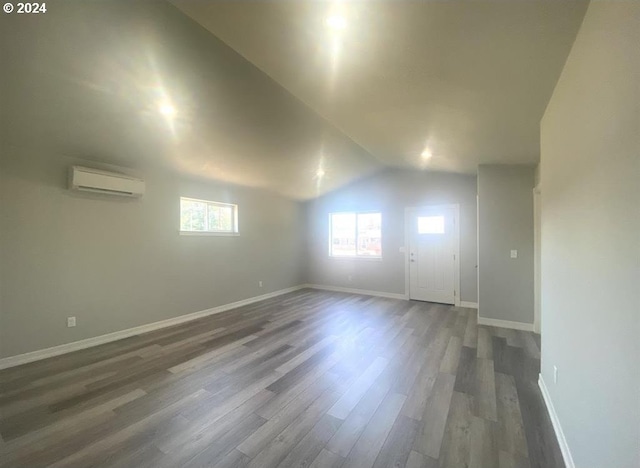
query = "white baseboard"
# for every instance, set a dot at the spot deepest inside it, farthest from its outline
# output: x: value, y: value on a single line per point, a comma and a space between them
x: 363, y: 292
x: 19, y: 359
x: 562, y: 441
x: 505, y: 324
x: 470, y: 305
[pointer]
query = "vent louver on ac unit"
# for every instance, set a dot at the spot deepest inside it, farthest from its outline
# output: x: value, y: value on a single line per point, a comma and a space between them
x: 87, y: 179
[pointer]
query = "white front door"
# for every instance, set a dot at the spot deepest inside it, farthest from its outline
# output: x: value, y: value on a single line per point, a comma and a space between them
x: 432, y: 249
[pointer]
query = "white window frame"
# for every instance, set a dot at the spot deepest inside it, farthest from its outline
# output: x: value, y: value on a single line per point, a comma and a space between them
x: 234, y: 232
x: 356, y: 256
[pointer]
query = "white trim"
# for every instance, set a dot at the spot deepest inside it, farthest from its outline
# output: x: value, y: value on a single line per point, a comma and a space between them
x: 210, y: 233
x: 25, y: 358
x: 470, y: 305
x: 362, y: 257
x: 363, y: 292
x: 456, y: 262
x: 408, y: 213
x: 505, y: 324
x: 537, y: 218
x: 478, y: 255
x: 407, y: 240
x: 555, y: 421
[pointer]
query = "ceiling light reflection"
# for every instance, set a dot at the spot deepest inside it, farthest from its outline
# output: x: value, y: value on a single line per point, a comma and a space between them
x: 335, y: 52
x: 336, y: 22
x: 320, y: 174
x: 167, y: 109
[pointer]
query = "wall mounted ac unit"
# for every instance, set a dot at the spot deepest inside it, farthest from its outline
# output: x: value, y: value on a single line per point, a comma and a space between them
x: 87, y: 179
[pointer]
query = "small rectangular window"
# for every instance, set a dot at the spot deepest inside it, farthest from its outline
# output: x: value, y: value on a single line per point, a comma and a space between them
x: 355, y: 235
x: 207, y: 217
x: 431, y: 225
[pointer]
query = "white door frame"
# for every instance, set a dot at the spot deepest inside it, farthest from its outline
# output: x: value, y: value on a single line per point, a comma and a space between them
x: 537, y: 236
x: 478, y: 257
x: 408, y: 214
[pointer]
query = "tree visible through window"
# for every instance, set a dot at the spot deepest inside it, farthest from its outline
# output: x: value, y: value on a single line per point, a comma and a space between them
x: 207, y: 216
x: 355, y: 235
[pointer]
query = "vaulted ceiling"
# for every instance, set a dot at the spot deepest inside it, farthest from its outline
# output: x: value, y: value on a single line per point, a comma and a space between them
x: 467, y: 81
x: 296, y: 97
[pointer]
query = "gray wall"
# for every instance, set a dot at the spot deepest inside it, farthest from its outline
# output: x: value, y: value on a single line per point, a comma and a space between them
x: 505, y: 223
x: 390, y: 192
x: 590, y: 173
x: 118, y: 263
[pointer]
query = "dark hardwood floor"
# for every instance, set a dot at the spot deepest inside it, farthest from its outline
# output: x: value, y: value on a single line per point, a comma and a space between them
x: 307, y: 379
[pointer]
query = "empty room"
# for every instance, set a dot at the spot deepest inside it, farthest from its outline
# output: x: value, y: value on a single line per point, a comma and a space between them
x: 348, y: 233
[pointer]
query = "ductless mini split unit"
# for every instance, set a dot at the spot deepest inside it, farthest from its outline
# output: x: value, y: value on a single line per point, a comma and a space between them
x: 86, y: 179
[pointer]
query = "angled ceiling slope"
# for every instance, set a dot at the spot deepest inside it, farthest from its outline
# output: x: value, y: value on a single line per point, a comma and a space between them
x: 140, y: 83
x: 462, y: 82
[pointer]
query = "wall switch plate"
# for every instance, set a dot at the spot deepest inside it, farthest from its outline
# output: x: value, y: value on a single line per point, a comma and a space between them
x: 514, y: 254
x: 555, y: 375
x: 260, y: 284
x: 71, y: 322
x: 402, y: 249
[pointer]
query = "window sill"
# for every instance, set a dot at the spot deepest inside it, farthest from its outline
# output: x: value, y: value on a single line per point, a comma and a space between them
x: 206, y: 233
x: 368, y: 259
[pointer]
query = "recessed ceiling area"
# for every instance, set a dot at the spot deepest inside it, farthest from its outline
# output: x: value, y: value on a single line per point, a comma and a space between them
x: 466, y: 82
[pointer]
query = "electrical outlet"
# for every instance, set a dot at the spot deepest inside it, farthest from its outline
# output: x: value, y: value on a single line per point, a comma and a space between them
x: 350, y: 278
x: 259, y: 284
x: 71, y: 322
x: 555, y: 375
x: 514, y: 254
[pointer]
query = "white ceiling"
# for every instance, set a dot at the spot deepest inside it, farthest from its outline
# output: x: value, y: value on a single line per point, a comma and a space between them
x: 260, y: 100
x: 467, y: 80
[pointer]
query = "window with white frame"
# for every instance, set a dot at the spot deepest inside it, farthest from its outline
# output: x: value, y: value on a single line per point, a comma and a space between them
x: 207, y: 217
x: 355, y: 234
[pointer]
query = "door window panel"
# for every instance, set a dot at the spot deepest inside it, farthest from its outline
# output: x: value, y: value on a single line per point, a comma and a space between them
x: 431, y: 225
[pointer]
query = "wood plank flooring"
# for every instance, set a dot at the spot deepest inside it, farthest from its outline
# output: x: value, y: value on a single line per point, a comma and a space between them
x: 311, y: 378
